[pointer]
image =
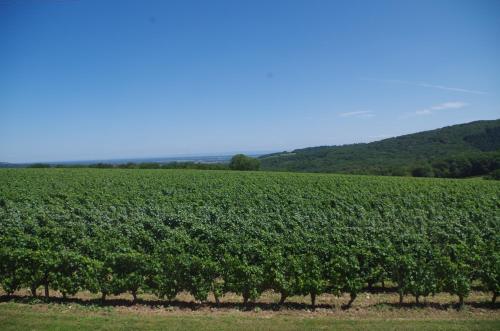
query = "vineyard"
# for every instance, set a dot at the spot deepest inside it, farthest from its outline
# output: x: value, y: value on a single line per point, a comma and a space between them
x: 215, y: 232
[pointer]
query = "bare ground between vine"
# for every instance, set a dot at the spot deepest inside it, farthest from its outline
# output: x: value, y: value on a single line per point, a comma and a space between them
x: 382, y: 305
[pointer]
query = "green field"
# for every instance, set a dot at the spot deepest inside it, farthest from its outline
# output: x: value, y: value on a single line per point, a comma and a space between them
x: 213, y: 233
x: 23, y: 317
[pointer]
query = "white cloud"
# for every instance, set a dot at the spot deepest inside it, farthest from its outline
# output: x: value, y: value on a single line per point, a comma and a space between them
x: 450, y: 105
x: 423, y: 112
x: 456, y: 89
x: 442, y: 106
x: 358, y: 114
x: 424, y: 84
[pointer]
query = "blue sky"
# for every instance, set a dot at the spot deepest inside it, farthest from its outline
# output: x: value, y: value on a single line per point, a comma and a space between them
x: 116, y: 79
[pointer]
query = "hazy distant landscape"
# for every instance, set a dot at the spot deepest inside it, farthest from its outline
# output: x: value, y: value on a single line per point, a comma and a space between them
x: 459, y: 151
x: 192, y: 158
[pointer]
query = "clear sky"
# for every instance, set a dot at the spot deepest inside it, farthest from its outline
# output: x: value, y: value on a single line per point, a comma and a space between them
x: 117, y: 79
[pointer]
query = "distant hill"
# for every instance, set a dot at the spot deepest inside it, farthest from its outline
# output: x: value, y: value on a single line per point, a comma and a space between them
x: 9, y: 165
x: 462, y: 150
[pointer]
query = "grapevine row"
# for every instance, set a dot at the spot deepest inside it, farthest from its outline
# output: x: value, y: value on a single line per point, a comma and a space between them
x: 168, y: 231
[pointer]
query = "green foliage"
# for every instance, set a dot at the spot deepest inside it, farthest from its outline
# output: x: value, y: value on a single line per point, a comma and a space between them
x: 164, y: 232
x: 422, y: 172
x: 494, y: 175
x: 12, y: 270
x: 465, y: 150
x: 243, y: 162
x: 73, y: 273
x: 489, y: 270
x: 39, y: 165
x: 128, y: 272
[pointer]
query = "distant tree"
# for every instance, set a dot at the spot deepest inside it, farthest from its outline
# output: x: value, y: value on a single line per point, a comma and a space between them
x: 101, y: 165
x: 129, y: 165
x: 243, y: 162
x: 39, y: 165
x: 425, y: 171
x: 494, y: 175
x: 149, y: 165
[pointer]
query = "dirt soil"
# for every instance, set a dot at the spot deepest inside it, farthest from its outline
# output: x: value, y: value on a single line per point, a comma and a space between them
x: 381, y: 305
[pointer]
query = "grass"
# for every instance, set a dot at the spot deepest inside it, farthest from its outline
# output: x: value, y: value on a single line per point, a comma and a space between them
x: 372, y: 311
x: 15, y: 316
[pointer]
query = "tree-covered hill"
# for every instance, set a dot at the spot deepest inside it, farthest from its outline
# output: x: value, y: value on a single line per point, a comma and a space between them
x: 463, y: 150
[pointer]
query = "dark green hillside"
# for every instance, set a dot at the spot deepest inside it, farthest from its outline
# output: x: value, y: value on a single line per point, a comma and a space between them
x: 463, y: 150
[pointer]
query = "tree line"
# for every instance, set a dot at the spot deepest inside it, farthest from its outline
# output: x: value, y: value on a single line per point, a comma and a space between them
x: 458, y: 151
x: 237, y: 162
